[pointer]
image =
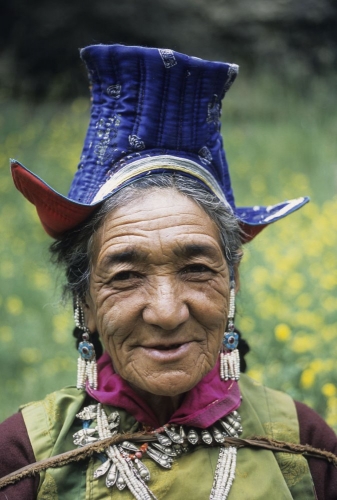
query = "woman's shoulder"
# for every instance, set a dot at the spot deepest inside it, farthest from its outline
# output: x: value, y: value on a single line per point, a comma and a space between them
x: 50, y: 411
x: 24, y: 435
x: 16, y: 452
x: 315, y: 432
x: 313, y: 428
x: 13, y: 434
x: 284, y: 419
x: 49, y: 420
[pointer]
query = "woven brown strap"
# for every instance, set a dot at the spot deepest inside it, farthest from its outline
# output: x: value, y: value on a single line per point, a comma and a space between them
x: 88, y: 450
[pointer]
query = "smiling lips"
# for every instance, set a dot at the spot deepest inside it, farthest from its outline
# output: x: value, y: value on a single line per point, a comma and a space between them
x: 166, y: 352
x: 165, y: 347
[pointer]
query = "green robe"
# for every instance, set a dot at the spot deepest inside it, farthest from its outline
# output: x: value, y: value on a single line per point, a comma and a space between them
x: 260, y: 474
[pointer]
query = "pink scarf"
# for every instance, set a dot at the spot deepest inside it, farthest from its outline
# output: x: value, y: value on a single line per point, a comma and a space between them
x: 203, y: 405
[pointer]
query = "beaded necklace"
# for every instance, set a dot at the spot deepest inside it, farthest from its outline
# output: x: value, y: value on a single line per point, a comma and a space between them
x: 123, y: 466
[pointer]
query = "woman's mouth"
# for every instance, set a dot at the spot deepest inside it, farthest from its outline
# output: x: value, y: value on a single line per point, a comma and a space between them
x: 166, y: 347
x: 167, y: 352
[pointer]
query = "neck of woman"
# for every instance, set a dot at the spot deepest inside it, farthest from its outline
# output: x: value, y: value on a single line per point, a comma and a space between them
x: 162, y: 406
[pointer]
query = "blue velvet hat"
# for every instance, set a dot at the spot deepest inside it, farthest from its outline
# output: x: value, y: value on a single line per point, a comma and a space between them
x: 153, y: 111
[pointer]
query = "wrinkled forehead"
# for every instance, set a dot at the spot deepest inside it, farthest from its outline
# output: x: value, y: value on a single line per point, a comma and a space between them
x: 162, y: 217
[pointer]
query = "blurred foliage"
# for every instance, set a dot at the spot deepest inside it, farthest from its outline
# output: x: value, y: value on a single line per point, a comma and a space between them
x: 281, y: 144
x: 38, y: 38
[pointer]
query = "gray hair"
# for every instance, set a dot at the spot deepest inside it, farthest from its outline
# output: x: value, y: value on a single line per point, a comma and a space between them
x: 74, y: 250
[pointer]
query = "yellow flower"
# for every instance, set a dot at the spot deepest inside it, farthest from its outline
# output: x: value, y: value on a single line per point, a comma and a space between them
x: 329, y: 261
x: 269, y: 307
x: 312, y: 210
x: 247, y: 324
x: 303, y: 343
x: 315, y: 270
x: 63, y: 325
x: 276, y: 281
x: 329, y: 390
x: 309, y: 319
x: 295, y: 282
x: 307, y: 378
x: 41, y: 279
x: 328, y: 281
x: 282, y: 332
x: 302, y: 180
x: 30, y: 355
x: 317, y: 365
x: 329, y: 332
x: 260, y: 275
x: 258, y: 184
x: 330, y: 304
x: 256, y: 374
x: 14, y: 305
x: 332, y: 411
x: 304, y: 300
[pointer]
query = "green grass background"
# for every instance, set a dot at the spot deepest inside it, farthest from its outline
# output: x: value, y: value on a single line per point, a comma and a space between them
x: 281, y: 143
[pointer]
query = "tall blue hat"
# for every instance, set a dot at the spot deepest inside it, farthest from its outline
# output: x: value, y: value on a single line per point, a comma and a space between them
x: 153, y: 111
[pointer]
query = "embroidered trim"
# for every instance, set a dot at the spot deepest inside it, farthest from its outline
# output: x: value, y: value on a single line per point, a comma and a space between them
x: 167, y: 162
x: 168, y: 58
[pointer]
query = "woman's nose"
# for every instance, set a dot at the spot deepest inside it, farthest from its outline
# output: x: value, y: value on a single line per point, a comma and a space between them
x: 166, y: 307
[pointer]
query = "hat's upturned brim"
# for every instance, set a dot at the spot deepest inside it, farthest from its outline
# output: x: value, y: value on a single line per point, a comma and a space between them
x: 59, y: 214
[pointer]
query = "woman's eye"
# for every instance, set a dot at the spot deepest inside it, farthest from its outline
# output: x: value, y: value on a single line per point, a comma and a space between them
x: 196, y: 269
x: 125, y: 276
x: 125, y: 280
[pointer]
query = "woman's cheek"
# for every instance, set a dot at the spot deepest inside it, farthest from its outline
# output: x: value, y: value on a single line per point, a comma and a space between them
x: 210, y: 307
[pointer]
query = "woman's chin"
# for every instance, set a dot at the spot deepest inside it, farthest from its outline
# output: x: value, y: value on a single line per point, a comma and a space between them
x: 171, y: 383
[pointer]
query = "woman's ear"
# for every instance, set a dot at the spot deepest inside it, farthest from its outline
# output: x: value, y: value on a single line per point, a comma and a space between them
x: 89, y: 311
x: 237, y: 277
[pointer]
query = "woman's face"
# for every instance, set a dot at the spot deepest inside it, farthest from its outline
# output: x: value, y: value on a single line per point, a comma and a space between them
x: 159, y: 292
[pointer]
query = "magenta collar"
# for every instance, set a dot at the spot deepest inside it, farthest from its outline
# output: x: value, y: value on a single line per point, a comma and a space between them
x: 203, y: 405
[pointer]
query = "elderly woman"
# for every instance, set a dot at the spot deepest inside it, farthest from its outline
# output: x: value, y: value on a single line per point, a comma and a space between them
x: 151, y: 239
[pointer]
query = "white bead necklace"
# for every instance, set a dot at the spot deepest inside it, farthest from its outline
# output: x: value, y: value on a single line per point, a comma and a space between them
x: 124, y: 467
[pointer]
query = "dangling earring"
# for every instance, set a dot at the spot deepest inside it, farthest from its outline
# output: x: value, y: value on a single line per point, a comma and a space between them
x: 229, y: 356
x: 86, y: 363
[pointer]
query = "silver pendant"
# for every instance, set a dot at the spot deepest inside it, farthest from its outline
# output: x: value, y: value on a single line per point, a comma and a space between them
x: 164, y: 440
x: 114, y: 417
x: 234, y: 422
x: 82, y: 441
x: 84, y: 436
x: 112, y: 476
x: 236, y: 415
x: 176, y: 438
x: 102, y: 469
x: 120, y: 483
x: 178, y: 449
x: 182, y: 433
x: 143, y: 470
x: 228, y: 429
x: 114, y: 420
x: 192, y: 436
x: 218, y: 436
x: 88, y: 413
x: 161, y: 458
x: 206, y: 437
x: 167, y: 450
x: 129, y: 446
